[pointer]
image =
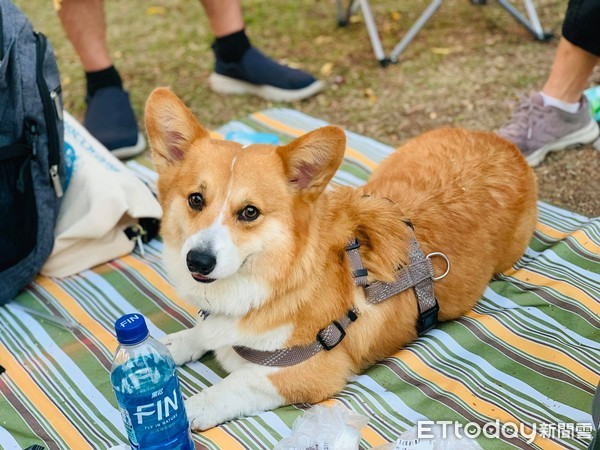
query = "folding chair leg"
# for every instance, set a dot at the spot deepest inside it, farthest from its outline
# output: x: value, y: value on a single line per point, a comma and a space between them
x: 343, y: 15
x: 412, y: 32
x: 532, y: 25
x: 373, y: 33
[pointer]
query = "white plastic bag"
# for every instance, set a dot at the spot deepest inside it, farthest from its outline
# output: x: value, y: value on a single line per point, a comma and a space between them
x: 325, y: 428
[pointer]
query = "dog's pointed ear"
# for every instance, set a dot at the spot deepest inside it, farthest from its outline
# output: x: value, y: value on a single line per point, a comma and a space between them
x: 171, y: 128
x: 311, y: 160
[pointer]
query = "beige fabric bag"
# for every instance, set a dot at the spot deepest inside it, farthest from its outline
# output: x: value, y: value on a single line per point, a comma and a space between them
x: 103, y: 199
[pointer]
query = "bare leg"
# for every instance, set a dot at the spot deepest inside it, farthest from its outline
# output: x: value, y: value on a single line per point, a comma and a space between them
x: 570, y: 72
x: 83, y: 21
x: 225, y: 16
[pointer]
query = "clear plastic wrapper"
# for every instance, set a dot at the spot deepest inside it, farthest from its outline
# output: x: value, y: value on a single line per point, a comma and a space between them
x: 325, y: 428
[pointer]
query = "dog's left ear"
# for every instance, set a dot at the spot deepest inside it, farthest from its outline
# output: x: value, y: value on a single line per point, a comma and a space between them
x: 171, y: 128
x: 311, y: 160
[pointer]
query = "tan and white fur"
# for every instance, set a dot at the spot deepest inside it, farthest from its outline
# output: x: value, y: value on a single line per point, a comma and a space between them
x: 253, y: 236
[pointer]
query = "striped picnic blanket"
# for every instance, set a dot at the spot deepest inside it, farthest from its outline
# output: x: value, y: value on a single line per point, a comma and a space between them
x: 526, y: 358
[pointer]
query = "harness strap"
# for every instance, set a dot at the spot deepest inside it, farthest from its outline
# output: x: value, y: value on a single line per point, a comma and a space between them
x: 418, y: 274
x: 327, y: 339
x: 406, y: 277
x: 359, y: 273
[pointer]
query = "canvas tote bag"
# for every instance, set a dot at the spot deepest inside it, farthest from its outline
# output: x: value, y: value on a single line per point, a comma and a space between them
x: 103, y: 210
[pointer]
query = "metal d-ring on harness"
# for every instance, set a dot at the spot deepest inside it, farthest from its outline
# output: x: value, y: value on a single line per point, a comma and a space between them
x: 418, y: 275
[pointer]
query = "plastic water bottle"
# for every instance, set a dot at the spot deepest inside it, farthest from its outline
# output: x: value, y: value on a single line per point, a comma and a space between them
x: 144, y: 378
x: 593, y: 98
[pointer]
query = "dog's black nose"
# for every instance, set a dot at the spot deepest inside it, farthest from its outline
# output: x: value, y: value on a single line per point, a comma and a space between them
x: 200, y: 262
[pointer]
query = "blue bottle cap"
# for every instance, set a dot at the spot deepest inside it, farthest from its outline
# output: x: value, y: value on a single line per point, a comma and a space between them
x: 131, y: 329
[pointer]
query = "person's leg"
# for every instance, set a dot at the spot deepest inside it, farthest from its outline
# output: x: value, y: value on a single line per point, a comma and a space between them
x: 83, y: 21
x: 109, y: 116
x: 241, y: 68
x: 224, y: 16
x: 559, y: 117
x: 570, y: 72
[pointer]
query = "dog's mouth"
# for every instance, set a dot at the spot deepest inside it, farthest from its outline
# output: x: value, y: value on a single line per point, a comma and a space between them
x: 201, y: 278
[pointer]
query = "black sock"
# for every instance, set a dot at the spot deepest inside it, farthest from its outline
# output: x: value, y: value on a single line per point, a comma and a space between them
x: 101, y: 79
x: 232, y: 47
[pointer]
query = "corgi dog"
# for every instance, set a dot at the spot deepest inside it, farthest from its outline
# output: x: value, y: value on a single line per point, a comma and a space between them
x: 256, y: 240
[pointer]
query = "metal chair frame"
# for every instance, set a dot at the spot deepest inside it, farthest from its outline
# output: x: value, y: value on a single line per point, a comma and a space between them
x: 532, y: 24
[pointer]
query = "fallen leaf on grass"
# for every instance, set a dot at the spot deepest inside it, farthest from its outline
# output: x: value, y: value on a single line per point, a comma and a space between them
x: 370, y: 95
x: 326, y: 69
x: 156, y: 11
x: 441, y: 50
x: 323, y: 39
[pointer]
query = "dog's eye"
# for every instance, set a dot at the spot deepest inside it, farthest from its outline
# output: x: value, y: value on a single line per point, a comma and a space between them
x: 196, y: 201
x: 249, y: 213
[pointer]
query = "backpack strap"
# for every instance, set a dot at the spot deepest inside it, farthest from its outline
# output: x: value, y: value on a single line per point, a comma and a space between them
x: 1, y: 35
x: 14, y: 151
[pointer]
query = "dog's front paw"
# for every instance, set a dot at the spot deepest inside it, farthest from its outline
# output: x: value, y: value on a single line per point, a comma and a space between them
x: 200, y: 413
x: 182, y: 346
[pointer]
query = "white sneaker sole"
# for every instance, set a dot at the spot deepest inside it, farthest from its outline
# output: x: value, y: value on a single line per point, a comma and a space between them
x: 134, y: 150
x: 583, y: 136
x: 227, y: 85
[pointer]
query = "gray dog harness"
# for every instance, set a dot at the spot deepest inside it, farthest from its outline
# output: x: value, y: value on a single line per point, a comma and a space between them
x: 418, y: 275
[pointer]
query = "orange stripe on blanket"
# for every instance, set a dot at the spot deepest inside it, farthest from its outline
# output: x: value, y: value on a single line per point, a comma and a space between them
x: 586, y: 242
x: 372, y: 437
x: 42, y: 403
x: 159, y: 282
x: 78, y: 313
x: 219, y: 437
x: 462, y: 391
x: 543, y: 352
x: 561, y: 286
x: 297, y: 132
x: 579, y: 235
x: 551, y: 232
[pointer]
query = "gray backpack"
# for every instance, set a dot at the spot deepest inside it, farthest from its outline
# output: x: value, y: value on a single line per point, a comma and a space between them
x: 31, y: 150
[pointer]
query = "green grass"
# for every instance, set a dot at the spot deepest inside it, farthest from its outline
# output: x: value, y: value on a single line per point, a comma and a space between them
x: 465, y: 68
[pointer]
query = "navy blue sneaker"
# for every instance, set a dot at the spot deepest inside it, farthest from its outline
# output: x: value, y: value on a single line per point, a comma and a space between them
x: 259, y: 75
x: 110, y: 119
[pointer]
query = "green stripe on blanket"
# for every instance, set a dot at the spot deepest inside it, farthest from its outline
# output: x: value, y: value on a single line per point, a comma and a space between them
x: 528, y: 354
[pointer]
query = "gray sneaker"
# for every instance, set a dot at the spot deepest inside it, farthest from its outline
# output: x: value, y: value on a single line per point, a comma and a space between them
x: 538, y: 130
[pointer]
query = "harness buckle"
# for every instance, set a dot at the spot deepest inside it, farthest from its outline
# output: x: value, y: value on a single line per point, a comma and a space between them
x: 322, y: 341
x: 428, y: 319
x: 353, y: 244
